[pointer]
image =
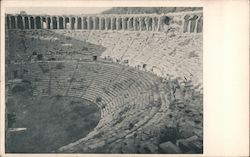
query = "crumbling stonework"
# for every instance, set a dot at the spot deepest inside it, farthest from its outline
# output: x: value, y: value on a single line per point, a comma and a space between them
x: 191, y: 22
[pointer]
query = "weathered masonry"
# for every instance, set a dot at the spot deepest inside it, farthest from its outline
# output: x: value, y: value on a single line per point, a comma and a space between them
x: 189, y: 22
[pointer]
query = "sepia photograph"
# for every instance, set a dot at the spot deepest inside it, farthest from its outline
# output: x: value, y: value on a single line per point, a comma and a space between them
x: 115, y: 80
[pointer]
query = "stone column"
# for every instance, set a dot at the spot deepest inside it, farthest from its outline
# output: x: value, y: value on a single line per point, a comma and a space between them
x: 100, y: 23
x: 94, y: 22
x: 41, y: 19
x: 88, y: 22
x: 123, y: 23
x: 29, y: 23
x: 196, y: 25
x: 112, y: 23
x: 70, y: 22
x: 140, y: 24
x: 35, y: 26
x: 200, y: 24
x: 134, y: 23
x: 15, y: 17
x: 9, y: 24
x: 46, y: 22
x: 51, y: 22
x: 117, y: 23
x: 23, y: 21
x: 57, y: 22
x: 159, y: 24
x: 147, y: 23
x: 82, y: 21
x: 64, y: 22
x: 76, y: 22
x: 153, y: 23
x: 187, y: 23
x: 107, y: 23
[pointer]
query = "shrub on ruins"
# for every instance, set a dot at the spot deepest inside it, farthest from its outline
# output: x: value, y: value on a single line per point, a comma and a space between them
x: 58, y: 96
x: 59, y: 66
x: 169, y: 133
x: 18, y: 88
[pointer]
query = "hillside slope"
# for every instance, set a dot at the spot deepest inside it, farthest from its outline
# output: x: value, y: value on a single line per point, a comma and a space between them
x: 148, y: 10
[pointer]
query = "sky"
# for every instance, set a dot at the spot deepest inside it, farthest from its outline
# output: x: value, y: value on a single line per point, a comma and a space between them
x: 57, y: 11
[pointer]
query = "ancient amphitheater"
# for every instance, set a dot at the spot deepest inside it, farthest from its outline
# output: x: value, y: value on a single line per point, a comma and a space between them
x: 144, y: 72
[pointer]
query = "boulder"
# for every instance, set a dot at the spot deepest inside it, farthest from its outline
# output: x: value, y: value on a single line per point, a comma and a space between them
x: 183, y: 145
x: 169, y: 148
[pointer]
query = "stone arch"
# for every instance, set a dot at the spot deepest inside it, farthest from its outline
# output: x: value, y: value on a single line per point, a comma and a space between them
x: 38, y: 22
x: 113, y: 23
x: 26, y: 22
x: 54, y: 22
x: 20, y: 22
x: 90, y: 23
x: 84, y: 23
x: 66, y: 23
x: 8, y: 22
x: 13, y: 22
x: 124, y: 23
x: 193, y: 23
x: 200, y: 24
x: 150, y: 24
x: 186, y: 23
x: 118, y: 23
x: 143, y: 23
x: 155, y: 23
x: 79, y: 23
x: 49, y: 24
x: 166, y: 20
x: 60, y: 21
x: 137, y: 23
x: 102, y: 23
x: 44, y: 23
x: 32, y: 23
x: 73, y: 22
x: 130, y: 23
x: 96, y: 22
x: 107, y: 23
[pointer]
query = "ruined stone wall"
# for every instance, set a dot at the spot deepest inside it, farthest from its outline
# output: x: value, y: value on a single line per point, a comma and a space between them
x: 188, y: 22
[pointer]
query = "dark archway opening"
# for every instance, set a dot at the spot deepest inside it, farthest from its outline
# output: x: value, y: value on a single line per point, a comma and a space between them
x: 193, y: 23
x: 13, y: 22
x: 166, y: 20
x: 61, y: 23
x: 108, y: 23
x: 114, y: 23
x: 38, y: 22
x: 150, y: 23
x: 200, y: 25
x: 73, y: 21
x: 67, y: 25
x: 54, y: 23
x: 102, y: 25
x: 186, y: 22
x: 96, y: 22
x: 49, y: 23
x: 85, y: 26
x: 19, y: 22
x: 26, y: 21
x: 90, y: 24
x: 79, y: 23
x: 32, y: 23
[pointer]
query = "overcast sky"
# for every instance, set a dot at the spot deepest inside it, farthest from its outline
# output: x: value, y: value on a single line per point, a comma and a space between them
x: 57, y: 11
